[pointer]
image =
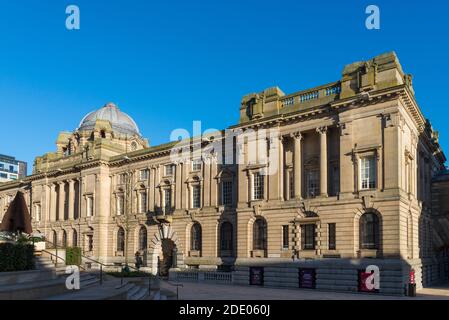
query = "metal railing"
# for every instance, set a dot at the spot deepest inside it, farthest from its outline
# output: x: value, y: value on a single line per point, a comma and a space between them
x: 101, y: 265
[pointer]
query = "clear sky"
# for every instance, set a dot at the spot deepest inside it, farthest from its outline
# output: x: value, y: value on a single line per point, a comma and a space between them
x: 168, y: 63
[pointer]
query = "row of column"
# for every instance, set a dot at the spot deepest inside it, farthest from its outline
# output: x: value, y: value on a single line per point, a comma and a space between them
x: 297, y: 162
x: 62, y: 205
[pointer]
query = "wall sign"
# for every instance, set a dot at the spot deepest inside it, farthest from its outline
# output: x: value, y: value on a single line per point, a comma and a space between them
x: 307, y: 278
x: 256, y: 276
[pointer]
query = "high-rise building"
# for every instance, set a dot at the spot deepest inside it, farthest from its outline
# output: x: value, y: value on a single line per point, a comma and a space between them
x: 11, y: 169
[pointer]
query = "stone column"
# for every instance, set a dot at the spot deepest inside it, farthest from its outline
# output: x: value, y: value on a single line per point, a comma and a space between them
x: 72, y: 200
x: 206, y: 182
x: 61, y: 207
x: 281, y: 168
x: 213, y: 181
x: 297, y: 165
x: 323, y: 160
x: 177, y: 192
x: 53, y: 202
x: 152, y: 188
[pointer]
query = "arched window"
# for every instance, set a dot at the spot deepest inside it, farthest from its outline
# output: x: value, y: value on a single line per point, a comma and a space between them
x: 195, y: 237
x: 74, y: 238
x: 121, y: 239
x: 226, y: 237
x: 142, y: 238
x: 260, y: 234
x: 64, y: 239
x: 54, y: 239
x: 369, y: 231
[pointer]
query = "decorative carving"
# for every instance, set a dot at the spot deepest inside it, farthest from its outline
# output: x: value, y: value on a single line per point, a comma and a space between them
x: 321, y: 130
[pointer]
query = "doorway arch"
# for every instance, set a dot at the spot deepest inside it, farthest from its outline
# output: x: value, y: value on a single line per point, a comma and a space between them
x: 163, y: 247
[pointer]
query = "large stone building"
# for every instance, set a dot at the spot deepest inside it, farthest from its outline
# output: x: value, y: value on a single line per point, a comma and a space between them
x: 350, y: 186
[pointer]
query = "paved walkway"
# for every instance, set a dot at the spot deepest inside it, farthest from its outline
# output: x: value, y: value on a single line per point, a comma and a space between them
x: 203, y: 291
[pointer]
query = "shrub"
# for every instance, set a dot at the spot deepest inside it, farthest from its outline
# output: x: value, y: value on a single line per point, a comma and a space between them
x: 16, y: 257
x: 73, y: 256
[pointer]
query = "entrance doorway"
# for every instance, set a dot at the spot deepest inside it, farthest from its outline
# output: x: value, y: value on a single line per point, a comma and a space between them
x: 166, y: 263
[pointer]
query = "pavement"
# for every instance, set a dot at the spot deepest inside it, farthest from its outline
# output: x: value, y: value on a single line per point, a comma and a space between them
x: 206, y: 291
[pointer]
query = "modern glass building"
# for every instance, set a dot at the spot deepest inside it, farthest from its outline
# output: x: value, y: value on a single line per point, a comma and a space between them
x: 11, y: 169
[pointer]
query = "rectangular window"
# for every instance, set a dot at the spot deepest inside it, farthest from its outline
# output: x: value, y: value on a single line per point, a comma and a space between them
x: 196, y: 165
x: 227, y: 193
x: 120, y: 205
x: 291, y: 183
x: 196, y: 197
x: 169, y: 170
x: 3, y: 175
x: 258, y: 186
x: 285, y: 237
x: 90, y: 206
x: 37, y: 213
x: 143, y: 202
x: 332, y: 236
x: 308, y: 236
x: 367, y: 173
x: 167, y: 200
x: 335, y: 180
x: 122, y: 178
x: 313, y: 183
x: 144, y: 174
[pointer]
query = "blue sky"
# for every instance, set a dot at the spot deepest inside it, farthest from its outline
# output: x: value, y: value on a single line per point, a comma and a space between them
x: 168, y: 63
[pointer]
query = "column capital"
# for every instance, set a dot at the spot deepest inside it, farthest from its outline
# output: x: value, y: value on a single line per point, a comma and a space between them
x: 297, y: 135
x: 321, y: 130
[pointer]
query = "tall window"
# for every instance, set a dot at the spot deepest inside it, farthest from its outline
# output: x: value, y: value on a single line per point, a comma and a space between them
x: 90, y: 242
x: 90, y: 206
x: 196, y: 165
x: 227, y: 191
x: 120, y: 205
x: 37, y: 213
x: 64, y: 239
x: 312, y: 183
x: 196, y: 196
x: 335, y: 180
x: 74, y: 238
x: 195, y: 237
x: 144, y: 174
x: 285, y: 237
x: 291, y: 184
x: 260, y: 234
x: 121, y: 239
x: 55, y: 239
x: 169, y: 170
x: 143, y: 202
x: 226, y: 237
x: 369, y: 231
x: 143, y: 238
x: 167, y: 199
x: 367, y: 173
x: 332, y: 236
x: 308, y: 236
x: 258, y: 186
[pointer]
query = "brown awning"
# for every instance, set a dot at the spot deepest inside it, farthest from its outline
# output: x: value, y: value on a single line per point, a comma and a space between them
x: 17, y: 217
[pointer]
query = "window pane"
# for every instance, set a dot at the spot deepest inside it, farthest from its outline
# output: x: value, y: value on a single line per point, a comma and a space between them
x: 196, y: 197
x: 332, y: 236
x: 227, y: 192
x: 285, y: 237
x: 258, y: 193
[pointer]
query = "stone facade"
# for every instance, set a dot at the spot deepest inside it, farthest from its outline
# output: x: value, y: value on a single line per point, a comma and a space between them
x: 353, y: 187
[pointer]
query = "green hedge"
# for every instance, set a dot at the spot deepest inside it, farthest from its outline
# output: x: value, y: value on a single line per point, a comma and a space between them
x: 73, y: 256
x: 16, y: 257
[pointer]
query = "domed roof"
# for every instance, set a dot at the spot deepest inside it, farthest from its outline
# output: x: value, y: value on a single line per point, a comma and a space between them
x: 120, y: 121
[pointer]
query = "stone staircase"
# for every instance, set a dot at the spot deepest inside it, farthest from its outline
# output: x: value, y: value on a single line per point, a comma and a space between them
x: 48, y: 282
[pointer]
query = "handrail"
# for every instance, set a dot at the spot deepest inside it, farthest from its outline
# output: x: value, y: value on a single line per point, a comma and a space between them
x: 55, y: 245
x: 177, y: 285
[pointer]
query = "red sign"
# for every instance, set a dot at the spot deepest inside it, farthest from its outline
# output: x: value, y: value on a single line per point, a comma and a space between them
x: 412, y: 276
x: 363, y: 281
